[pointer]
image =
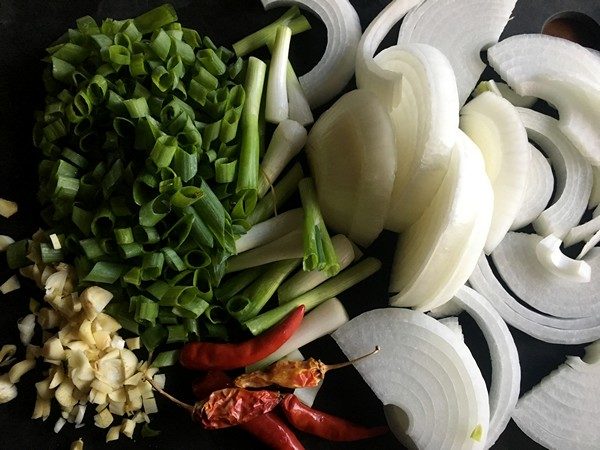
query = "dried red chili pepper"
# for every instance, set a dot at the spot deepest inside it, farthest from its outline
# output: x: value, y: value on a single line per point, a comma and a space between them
x: 292, y: 374
x: 216, y: 356
x: 267, y: 428
x: 227, y: 407
x: 325, y: 425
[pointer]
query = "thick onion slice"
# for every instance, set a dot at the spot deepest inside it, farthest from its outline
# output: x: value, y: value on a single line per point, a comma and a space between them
x: 518, y: 265
x: 561, y: 72
x: 557, y: 263
x: 562, y: 411
x: 590, y: 244
x: 432, y: 389
x: 506, y: 369
x: 425, y: 125
x: 584, y: 231
x: 546, y: 328
x: 573, y: 175
x: 493, y: 123
x: 436, y: 255
x: 540, y: 184
x: 336, y: 67
x: 481, y: 24
x: 351, y: 153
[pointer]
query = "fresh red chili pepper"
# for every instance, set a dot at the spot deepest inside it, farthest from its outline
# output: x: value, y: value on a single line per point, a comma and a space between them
x: 267, y: 428
x: 325, y: 425
x: 227, y: 407
x: 292, y: 374
x: 216, y: 356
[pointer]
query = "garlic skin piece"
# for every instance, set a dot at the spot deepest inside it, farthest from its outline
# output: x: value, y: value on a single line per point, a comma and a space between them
x: 8, y: 391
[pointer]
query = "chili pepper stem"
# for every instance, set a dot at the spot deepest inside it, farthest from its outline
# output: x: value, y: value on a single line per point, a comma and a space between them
x: 328, y: 367
x: 168, y: 396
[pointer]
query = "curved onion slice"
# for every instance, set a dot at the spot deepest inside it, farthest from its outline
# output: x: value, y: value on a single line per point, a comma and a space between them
x: 516, y: 99
x: 556, y: 262
x: 386, y: 84
x: 434, y: 23
x: 518, y: 265
x: 562, y: 411
x: 583, y: 232
x: 351, y: 153
x: 454, y: 325
x: 336, y: 67
x: 494, y: 125
x: 573, y: 175
x: 425, y: 125
x: 540, y: 184
x: 595, y: 195
x: 590, y: 244
x: 546, y: 328
x: 434, y: 393
x: 506, y: 370
x: 561, y: 72
x: 436, y: 255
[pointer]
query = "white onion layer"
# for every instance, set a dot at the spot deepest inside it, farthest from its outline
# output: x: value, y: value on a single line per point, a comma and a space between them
x: 561, y: 72
x: 493, y: 123
x: 595, y: 195
x: 546, y: 328
x: 550, y: 256
x: 540, y: 184
x: 589, y: 245
x: 573, y: 175
x: 434, y: 22
x: 518, y: 265
x: 336, y: 67
x: 563, y: 410
x: 434, y: 393
x: 582, y: 232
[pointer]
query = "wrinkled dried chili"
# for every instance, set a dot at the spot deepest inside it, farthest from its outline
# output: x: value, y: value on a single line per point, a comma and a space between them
x: 325, y: 425
x: 227, y: 356
x: 292, y: 374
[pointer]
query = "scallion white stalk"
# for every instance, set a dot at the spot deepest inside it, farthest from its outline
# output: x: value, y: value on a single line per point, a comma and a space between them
x: 276, y: 109
x: 264, y: 232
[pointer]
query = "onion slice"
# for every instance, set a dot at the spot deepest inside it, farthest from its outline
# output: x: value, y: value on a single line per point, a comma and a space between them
x: 561, y: 72
x: 556, y: 262
x: 336, y: 67
x: 482, y: 23
x: 493, y: 123
x: 590, y: 244
x: 583, y: 232
x: 436, y: 255
x: 540, y: 184
x: 595, y: 195
x: 573, y: 175
x: 546, y: 328
x: 506, y: 369
x: 351, y: 153
x: 518, y: 264
x: 562, y: 411
x: 434, y: 393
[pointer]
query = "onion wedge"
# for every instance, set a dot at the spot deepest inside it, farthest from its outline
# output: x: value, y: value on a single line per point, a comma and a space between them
x: 434, y: 23
x: 573, y: 175
x: 436, y: 255
x: 336, y: 67
x: 432, y: 389
x: 493, y: 123
x: 562, y: 411
x: 351, y: 153
x: 561, y: 72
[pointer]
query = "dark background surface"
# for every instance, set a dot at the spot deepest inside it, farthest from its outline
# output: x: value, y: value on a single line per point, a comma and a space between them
x: 26, y: 28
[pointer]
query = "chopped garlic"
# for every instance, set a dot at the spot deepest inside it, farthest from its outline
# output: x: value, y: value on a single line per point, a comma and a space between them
x: 48, y: 318
x: 53, y: 349
x: 64, y: 394
x: 94, y: 299
x: 103, y: 419
x: 77, y: 445
x: 7, y: 208
x: 18, y: 370
x: 43, y: 389
x: 12, y: 284
x: 133, y: 343
x: 6, y: 354
x: 5, y: 241
x: 8, y: 391
x: 33, y: 352
x: 59, y: 424
x: 41, y: 409
x: 128, y: 427
x: 55, y: 242
x: 113, y: 433
x: 26, y: 328
x: 150, y: 406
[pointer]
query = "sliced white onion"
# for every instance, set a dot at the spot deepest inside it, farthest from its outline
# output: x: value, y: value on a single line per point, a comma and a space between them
x: 505, y: 91
x: 351, y: 153
x: 517, y: 263
x: 540, y: 184
x: 582, y: 232
x: 324, y: 319
x: 425, y: 125
x: 436, y: 255
x: 590, y: 244
x: 546, y: 328
x: 561, y: 72
x: 434, y: 393
x: 550, y: 256
x: 454, y: 325
x: 264, y: 232
x: 336, y: 67
x: 481, y: 24
x: 493, y: 123
x: 595, y: 195
x: 573, y: 175
x: 562, y: 411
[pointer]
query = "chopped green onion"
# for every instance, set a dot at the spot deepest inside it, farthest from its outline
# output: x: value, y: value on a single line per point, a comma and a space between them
x: 166, y: 359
